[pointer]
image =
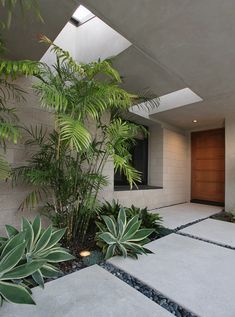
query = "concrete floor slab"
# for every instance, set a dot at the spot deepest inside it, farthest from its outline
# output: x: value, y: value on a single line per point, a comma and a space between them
x: 213, y: 230
x: 92, y: 292
x: 197, y: 275
x: 179, y: 215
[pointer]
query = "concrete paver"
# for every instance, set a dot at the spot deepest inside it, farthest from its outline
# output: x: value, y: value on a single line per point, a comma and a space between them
x: 213, y: 230
x: 91, y: 292
x: 197, y: 275
x: 182, y: 214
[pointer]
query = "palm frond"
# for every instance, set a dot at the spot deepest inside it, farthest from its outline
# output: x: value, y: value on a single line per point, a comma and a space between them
x: 101, y: 67
x: 37, y: 134
x: 32, y: 200
x: 12, y: 69
x: 34, y: 174
x: 9, y: 90
x: 9, y: 132
x: 147, y: 99
x: 74, y: 132
x: 122, y: 164
x: 51, y: 97
x: 121, y: 135
x: 25, y: 5
x: 4, y: 168
x: 62, y: 55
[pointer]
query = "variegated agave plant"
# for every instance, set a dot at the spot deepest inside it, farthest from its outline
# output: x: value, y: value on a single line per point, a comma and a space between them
x: 13, y: 270
x: 122, y: 237
x: 31, y: 252
x: 42, y: 244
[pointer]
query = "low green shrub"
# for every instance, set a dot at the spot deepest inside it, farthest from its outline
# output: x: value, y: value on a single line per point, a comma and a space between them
x: 110, y: 208
x: 121, y: 236
x: 148, y: 220
x: 28, y: 253
x: 233, y: 215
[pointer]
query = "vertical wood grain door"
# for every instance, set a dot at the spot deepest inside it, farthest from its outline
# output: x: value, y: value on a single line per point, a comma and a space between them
x: 208, y: 166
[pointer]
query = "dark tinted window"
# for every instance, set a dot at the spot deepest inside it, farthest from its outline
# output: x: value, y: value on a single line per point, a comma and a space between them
x: 139, y: 161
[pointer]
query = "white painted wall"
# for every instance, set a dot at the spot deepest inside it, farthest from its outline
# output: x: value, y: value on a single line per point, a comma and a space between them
x: 155, y: 156
x: 29, y: 113
x: 174, y: 176
x: 230, y: 162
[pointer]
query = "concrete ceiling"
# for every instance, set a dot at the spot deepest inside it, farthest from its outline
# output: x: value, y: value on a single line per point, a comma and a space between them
x: 178, y: 44
x: 22, y: 37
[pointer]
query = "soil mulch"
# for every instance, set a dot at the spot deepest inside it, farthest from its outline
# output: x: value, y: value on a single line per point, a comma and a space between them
x: 79, y: 262
x: 96, y: 256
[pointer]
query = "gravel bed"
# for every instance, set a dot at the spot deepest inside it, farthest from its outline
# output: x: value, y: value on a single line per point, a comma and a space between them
x: 190, y: 223
x: 149, y: 292
x: 205, y: 240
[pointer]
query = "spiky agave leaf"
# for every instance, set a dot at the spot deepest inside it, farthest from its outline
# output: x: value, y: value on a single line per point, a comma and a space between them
x: 119, y: 236
x: 11, y: 269
x: 31, y: 252
x: 43, y: 244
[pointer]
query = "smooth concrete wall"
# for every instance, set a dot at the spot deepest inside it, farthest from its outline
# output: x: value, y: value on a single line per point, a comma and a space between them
x: 155, y: 156
x: 230, y: 162
x: 173, y: 172
x: 29, y: 113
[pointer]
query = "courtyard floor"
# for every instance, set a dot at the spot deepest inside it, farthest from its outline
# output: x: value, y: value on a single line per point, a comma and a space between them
x: 192, y: 267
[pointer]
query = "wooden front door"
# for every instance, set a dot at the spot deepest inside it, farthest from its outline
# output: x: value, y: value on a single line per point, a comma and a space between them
x: 208, y: 166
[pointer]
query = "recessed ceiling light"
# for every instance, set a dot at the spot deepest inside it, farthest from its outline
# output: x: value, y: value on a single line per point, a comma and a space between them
x: 195, y: 121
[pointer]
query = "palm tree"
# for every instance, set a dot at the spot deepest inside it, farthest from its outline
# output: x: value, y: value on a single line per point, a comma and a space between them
x: 68, y: 168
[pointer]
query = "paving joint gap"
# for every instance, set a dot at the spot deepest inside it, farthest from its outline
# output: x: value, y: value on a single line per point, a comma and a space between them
x: 205, y: 240
x: 192, y: 223
x: 152, y: 294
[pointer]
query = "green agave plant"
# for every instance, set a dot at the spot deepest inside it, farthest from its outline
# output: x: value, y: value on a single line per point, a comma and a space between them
x: 42, y: 244
x: 29, y: 253
x: 122, y: 237
x: 148, y: 220
x: 12, y: 271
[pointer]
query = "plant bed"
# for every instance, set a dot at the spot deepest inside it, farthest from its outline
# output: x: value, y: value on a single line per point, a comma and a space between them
x: 96, y: 256
x: 224, y: 216
x: 81, y: 262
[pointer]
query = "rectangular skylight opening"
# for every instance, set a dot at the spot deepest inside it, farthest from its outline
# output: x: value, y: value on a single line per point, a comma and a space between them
x: 176, y: 99
x: 82, y: 15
